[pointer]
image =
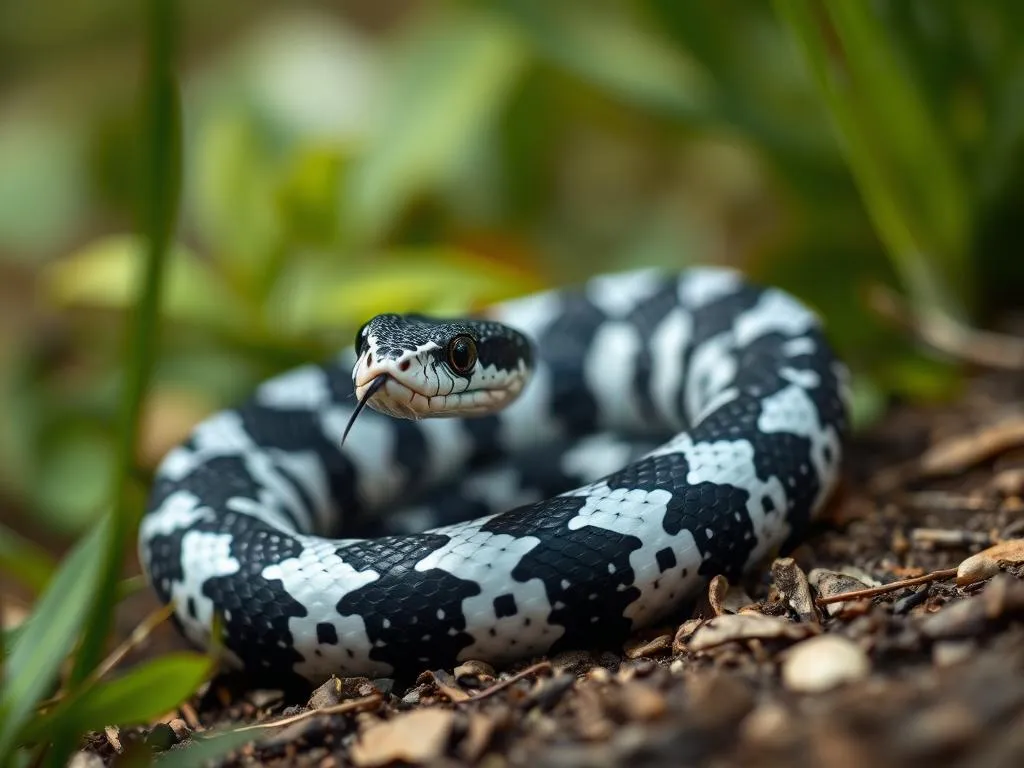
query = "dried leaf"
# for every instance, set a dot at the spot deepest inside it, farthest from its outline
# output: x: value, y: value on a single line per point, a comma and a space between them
x: 989, y: 562
x: 643, y: 647
x: 953, y: 456
x: 747, y: 626
x: 791, y: 581
x: 412, y: 737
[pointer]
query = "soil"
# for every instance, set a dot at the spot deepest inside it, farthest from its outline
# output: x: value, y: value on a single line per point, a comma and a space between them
x: 773, y: 672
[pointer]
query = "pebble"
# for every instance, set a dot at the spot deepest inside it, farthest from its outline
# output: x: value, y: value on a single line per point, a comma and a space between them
x: 823, y: 663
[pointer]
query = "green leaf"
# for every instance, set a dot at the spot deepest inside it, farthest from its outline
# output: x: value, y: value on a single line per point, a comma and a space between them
x: 908, y: 179
x: 610, y: 49
x: 307, y: 195
x: 141, y: 694
x: 106, y: 273
x: 24, y: 560
x: 435, y: 281
x: 49, y: 634
x: 232, y: 191
x: 452, y: 76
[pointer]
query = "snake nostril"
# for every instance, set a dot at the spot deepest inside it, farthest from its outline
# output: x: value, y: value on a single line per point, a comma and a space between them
x: 404, y: 365
x: 369, y: 358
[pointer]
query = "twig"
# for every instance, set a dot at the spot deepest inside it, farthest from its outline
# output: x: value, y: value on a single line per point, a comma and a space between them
x: 139, y: 635
x: 542, y: 666
x: 943, y: 333
x: 136, y: 638
x: 946, y: 573
x: 352, y: 705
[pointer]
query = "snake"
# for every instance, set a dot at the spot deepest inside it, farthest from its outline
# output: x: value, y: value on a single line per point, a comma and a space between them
x: 551, y: 473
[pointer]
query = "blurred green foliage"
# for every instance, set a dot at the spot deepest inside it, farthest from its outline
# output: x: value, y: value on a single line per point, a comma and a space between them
x: 336, y: 163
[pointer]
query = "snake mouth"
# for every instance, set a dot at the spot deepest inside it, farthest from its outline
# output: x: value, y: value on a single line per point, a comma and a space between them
x: 379, y: 381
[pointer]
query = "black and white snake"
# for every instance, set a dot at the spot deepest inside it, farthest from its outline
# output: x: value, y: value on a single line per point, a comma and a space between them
x: 674, y: 426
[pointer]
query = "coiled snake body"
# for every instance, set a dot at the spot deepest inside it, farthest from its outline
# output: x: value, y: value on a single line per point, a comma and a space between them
x: 676, y: 426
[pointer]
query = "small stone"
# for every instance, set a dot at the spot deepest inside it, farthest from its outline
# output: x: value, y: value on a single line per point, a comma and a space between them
x: 677, y: 667
x: 823, y: 663
x: 262, y: 697
x: 85, y: 760
x: 640, y: 702
x: 946, y: 653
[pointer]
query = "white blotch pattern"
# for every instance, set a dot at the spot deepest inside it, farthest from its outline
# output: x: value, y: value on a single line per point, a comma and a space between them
x: 531, y: 314
x: 302, y: 388
x: 668, y: 345
x: 488, y: 559
x: 610, y: 371
x: 620, y: 293
x: 775, y: 311
x: 792, y: 410
x: 595, y: 456
x: 222, y: 434
x: 371, y: 447
x: 181, y: 509
x: 712, y: 369
x: 702, y: 285
x: 319, y: 579
x: 527, y: 421
x: 731, y: 462
x: 204, y: 556
x: 639, y: 513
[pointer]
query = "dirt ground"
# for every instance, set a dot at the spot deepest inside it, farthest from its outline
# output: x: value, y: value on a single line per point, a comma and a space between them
x: 773, y: 672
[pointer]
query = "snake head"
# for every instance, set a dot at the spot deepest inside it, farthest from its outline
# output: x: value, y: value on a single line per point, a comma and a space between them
x: 414, y: 367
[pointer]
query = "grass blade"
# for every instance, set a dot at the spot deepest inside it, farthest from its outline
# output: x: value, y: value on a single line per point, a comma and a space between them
x: 47, y: 637
x: 909, y: 182
x: 146, y: 691
x: 160, y: 196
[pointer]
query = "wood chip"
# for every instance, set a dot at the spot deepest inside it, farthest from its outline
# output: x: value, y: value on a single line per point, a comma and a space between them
x: 641, y: 648
x: 446, y: 685
x: 747, y: 626
x: 791, y: 582
x: 412, y: 737
x: 989, y: 562
x: 479, y: 734
x: 953, y: 456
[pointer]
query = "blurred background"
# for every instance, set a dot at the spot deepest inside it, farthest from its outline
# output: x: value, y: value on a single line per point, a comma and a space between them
x: 343, y: 158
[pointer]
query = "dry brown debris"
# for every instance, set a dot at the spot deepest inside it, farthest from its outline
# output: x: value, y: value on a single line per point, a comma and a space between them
x: 893, y: 637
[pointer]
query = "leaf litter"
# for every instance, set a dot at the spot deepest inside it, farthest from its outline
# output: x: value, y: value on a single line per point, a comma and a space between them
x: 893, y: 637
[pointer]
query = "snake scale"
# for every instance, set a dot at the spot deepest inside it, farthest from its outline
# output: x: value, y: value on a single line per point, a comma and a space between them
x: 631, y: 437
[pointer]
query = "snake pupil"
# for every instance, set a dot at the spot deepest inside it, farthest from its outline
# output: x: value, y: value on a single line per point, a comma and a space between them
x: 462, y: 354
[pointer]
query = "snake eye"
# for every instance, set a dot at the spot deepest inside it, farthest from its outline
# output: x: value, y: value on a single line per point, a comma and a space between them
x: 462, y: 354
